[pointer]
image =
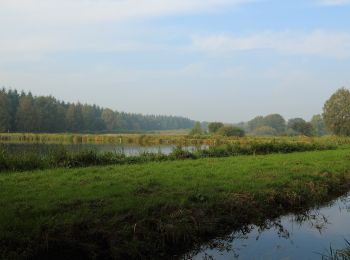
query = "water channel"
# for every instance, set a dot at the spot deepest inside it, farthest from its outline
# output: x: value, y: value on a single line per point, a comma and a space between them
x: 312, y: 235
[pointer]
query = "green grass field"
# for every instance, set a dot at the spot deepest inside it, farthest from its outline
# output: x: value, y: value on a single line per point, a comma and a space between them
x: 159, y: 209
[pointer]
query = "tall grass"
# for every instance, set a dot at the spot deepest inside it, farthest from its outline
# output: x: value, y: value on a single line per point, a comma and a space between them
x: 157, y: 139
x: 61, y: 157
x: 338, y: 254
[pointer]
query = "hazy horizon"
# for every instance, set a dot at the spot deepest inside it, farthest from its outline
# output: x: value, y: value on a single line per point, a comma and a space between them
x: 208, y: 60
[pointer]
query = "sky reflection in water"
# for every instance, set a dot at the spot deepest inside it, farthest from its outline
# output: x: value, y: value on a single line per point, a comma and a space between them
x: 290, y: 237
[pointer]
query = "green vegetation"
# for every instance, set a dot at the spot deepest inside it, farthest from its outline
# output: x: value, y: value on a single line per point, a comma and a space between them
x: 265, y: 131
x: 61, y: 157
x: 156, y: 205
x: 158, y: 139
x: 23, y: 112
x: 300, y: 126
x: 214, y: 127
x: 217, y: 128
x: 157, y: 210
x: 229, y: 131
x: 197, y: 129
x: 338, y: 254
x: 275, y: 121
x: 337, y: 112
x: 318, y: 125
x: 142, y: 139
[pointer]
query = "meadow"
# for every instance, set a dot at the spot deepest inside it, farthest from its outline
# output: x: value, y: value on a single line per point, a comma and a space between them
x: 158, y: 210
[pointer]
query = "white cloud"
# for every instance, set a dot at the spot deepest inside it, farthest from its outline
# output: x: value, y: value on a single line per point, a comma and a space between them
x: 321, y: 43
x: 37, y: 27
x: 91, y: 11
x: 334, y: 2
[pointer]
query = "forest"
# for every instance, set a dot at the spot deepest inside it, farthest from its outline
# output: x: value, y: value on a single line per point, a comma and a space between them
x: 23, y: 112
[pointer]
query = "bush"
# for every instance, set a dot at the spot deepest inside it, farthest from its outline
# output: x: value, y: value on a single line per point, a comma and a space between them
x: 180, y: 153
x: 265, y: 131
x: 229, y: 131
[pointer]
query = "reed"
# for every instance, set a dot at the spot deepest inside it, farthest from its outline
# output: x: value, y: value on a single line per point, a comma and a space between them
x: 61, y: 157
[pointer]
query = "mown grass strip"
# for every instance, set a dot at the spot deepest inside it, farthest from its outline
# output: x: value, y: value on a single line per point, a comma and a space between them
x: 160, y: 209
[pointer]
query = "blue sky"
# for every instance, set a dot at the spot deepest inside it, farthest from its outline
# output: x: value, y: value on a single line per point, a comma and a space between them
x: 226, y: 60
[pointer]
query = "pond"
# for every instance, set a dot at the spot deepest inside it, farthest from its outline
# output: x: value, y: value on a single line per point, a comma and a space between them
x: 127, y: 149
x: 307, y: 236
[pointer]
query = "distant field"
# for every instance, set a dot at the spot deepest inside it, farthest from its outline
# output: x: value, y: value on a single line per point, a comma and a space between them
x: 160, y: 209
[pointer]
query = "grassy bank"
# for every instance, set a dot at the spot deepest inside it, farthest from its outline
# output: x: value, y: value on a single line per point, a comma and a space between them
x: 161, y: 139
x: 61, y: 157
x: 158, y: 209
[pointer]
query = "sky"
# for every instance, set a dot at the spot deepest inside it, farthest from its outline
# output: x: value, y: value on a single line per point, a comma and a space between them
x: 209, y: 60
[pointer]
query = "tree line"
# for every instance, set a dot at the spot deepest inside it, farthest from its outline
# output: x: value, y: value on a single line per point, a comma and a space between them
x: 270, y: 125
x: 335, y: 119
x: 273, y: 125
x: 23, y: 112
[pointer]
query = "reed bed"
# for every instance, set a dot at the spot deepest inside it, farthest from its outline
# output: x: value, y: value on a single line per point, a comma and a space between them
x: 62, y: 157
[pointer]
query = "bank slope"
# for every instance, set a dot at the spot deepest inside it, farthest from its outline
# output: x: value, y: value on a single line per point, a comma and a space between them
x: 157, y: 210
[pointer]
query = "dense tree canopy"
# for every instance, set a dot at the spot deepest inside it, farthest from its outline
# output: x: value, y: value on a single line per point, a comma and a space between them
x: 274, y: 121
x: 264, y: 131
x: 23, y: 112
x: 5, y: 115
x: 300, y: 126
x: 231, y: 131
x: 255, y: 123
x: 214, y: 127
x: 336, y: 112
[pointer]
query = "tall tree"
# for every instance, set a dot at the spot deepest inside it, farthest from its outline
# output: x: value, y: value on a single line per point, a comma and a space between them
x: 336, y: 112
x: 13, y: 105
x: 26, y: 113
x: 74, y: 118
x: 255, y: 123
x: 197, y: 129
x: 300, y: 126
x: 214, y: 127
x: 275, y: 121
x: 5, y: 113
x: 110, y: 119
x: 26, y: 116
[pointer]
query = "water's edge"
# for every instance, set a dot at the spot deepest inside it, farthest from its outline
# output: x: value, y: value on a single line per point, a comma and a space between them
x: 304, y: 235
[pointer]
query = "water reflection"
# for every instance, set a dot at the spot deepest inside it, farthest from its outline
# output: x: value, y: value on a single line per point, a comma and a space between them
x: 304, y: 236
x: 127, y: 149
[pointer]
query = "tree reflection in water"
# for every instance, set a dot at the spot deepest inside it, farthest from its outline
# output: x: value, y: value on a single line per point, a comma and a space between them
x: 321, y: 223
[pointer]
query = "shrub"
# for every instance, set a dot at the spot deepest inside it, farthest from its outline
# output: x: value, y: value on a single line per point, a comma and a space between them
x: 265, y: 131
x: 180, y: 153
x: 231, y: 131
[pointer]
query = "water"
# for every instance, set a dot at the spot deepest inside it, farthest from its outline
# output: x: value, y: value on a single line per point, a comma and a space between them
x: 128, y: 149
x: 307, y: 236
